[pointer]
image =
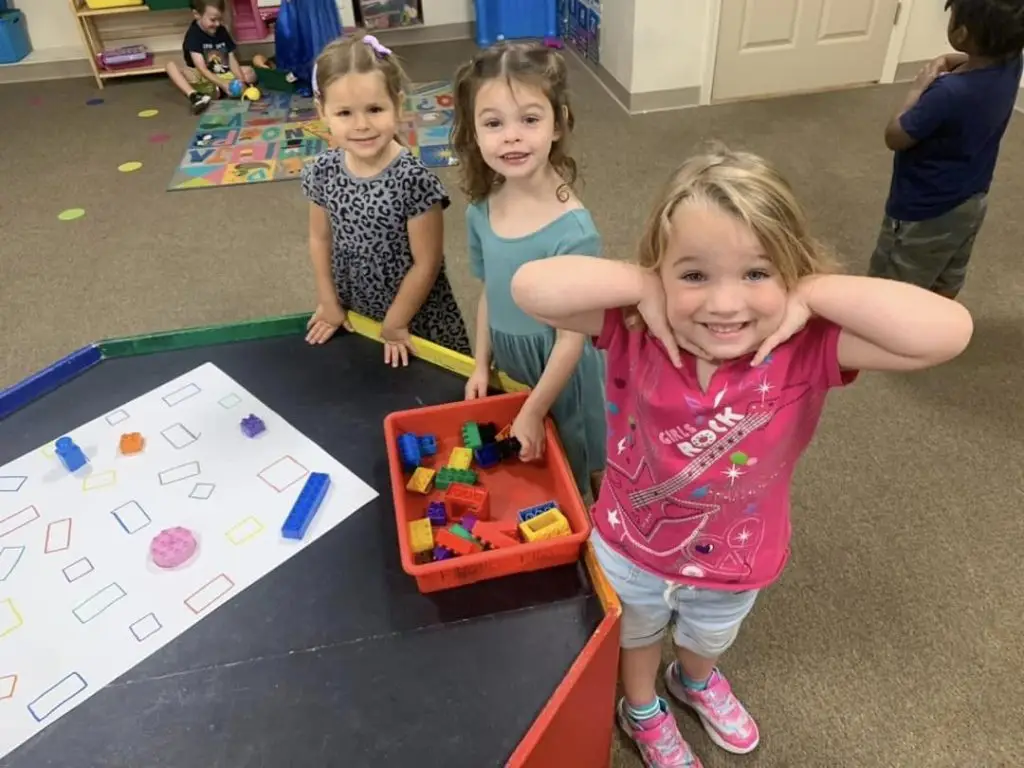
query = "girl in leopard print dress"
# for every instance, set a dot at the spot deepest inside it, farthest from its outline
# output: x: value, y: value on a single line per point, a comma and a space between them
x: 376, y: 227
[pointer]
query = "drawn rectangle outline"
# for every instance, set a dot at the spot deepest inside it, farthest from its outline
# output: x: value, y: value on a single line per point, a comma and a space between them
x: 210, y: 592
x: 9, y: 557
x: 179, y: 473
x: 287, y: 482
x: 18, y: 519
x: 131, y: 516
x: 74, y: 575
x: 58, y: 536
x: 193, y: 495
x: 122, y: 415
x: 56, y: 696
x: 91, y: 607
x: 244, y: 530
x: 226, y: 405
x: 182, y: 436
x: 181, y: 394
x: 6, y: 486
x: 99, y: 480
x: 154, y: 622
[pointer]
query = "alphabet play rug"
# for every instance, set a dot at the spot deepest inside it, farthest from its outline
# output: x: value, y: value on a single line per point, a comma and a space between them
x: 241, y: 142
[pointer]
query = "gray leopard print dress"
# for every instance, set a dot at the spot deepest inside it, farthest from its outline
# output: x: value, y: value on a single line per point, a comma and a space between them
x: 371, y: 253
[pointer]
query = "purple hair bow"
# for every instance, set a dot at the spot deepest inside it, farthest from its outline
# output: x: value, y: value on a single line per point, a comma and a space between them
x: 378, y: 48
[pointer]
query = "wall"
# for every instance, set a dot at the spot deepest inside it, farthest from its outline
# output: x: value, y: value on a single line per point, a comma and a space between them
x: 50, y: 23
x: 926, y: 31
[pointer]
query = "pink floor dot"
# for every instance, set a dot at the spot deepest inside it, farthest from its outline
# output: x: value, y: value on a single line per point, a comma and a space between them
x: 35, y: 101
x: 159, y: 138
x: 172, y: 547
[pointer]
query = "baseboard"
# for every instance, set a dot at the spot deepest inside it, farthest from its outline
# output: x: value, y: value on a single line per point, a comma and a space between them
x: 59, y: 64
x: 638, y: 103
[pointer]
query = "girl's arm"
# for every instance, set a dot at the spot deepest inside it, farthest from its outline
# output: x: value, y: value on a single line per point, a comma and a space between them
x: 426, y: 241
x: 320, y: 246
x: 888, y: 325
x: 571, y: 293
x: 565, y: 354
x: 482, y: 350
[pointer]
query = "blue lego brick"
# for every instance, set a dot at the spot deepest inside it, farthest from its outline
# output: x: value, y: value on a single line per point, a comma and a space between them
x: 487, y: 455
x: 305, y: 507
x: 45, y: 381
x: 531, y: 512
x: 428, y: 445
x: 70, y: 455
x: 436, y: 513
x: 409, y: 451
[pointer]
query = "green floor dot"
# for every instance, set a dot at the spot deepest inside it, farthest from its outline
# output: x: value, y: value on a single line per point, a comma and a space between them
x: 739, y: 458
x: 71, y: 214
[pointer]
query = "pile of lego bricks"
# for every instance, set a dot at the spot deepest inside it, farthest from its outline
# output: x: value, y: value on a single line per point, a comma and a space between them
x: 459, y: 523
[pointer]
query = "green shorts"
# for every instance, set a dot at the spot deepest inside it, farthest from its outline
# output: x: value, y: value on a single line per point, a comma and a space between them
x: 933, y: 253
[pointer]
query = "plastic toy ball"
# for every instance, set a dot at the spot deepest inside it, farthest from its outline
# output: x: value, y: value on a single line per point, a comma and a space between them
x: 252, y: 93
x: 235, y: 88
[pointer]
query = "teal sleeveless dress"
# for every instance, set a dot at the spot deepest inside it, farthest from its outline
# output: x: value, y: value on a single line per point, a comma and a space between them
x: 521, y: 345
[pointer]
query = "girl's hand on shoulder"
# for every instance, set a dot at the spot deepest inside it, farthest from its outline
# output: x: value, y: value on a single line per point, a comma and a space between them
x: 528, y: 429
x: 478, y: 383
x: 325, y: 321
x: 795, y: 317
x: 397, y: 346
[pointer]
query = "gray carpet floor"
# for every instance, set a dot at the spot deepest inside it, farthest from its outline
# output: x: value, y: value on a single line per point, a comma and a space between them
x: 895, y: 636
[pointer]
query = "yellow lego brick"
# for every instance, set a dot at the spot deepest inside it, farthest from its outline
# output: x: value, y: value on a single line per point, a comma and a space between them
x: 548, y: 525
x: 421, y: 536
x: 421, y: 481
x: 461, y: 458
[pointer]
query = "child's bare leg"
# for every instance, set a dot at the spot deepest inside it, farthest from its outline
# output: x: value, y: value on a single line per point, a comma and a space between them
x: 696, y: 668
x: 179, y: 79
x: 638, y: 668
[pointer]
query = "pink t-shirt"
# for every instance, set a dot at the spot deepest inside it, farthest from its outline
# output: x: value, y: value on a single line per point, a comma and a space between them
x: 697, y: 483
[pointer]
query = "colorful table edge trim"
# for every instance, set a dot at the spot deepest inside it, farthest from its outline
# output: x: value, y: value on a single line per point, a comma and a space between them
x: 595, y: 669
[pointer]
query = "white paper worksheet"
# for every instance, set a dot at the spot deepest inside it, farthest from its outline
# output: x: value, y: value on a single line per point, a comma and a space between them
x: 81, y: 602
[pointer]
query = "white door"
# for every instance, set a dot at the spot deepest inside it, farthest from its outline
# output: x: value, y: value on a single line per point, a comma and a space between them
x: 768, y: 47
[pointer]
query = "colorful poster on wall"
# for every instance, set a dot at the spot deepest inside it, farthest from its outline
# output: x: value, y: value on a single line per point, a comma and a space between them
x: 579, y: 23
x: 386, y: 14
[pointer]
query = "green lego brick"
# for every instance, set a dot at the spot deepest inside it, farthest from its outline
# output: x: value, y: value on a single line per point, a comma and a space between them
x: 446, y: 476
x: 471, y: 435
x: 462, y: 533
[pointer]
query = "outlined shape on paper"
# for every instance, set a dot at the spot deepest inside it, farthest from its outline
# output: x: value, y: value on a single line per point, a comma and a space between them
x: 8, y: 685
x: 145, y: 627
x: 229, y: 401
x: 17, y: 520
x: 11, y: 483
x: 179, y: 436
x: 116, y: 417
x: 91, y: 607
x: 131, y: 517
x: 181, y: 394
x: 9, y: 557
x: 76, y: 570
x: 283, y: 473
x: 10, y: 619
x: 49, y: 451
x: 202, y: 491
x: 209, y: 593
x: 243, y: 531
x: 58, y: 536
x: 56, y: 696
x: 179, y: 473
x: 100, y: 480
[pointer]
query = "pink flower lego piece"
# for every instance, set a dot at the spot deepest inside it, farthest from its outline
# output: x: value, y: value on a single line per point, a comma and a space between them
x: 172, y: 547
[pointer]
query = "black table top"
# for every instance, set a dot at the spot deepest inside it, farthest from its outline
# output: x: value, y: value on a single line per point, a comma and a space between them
x: 334, y: 658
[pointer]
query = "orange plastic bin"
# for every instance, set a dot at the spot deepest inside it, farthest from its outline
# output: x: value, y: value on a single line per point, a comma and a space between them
x: 512, y: 485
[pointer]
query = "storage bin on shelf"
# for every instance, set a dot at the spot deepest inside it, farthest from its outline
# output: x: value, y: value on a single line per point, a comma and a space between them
x: 14, y: 43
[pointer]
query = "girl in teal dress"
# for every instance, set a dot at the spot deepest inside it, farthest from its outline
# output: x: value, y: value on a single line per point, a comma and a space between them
x: 512, y: 125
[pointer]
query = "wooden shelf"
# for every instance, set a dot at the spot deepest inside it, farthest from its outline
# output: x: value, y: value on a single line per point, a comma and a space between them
x: 158, y: 67
x: 85, y: 10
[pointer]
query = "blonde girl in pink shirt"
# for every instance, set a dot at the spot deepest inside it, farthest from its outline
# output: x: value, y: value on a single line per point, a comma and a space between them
x: 722, y: 343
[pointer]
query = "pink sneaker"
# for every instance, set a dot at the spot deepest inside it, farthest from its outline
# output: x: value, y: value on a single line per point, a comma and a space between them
x: 728, y: 724
x: 660, y: 743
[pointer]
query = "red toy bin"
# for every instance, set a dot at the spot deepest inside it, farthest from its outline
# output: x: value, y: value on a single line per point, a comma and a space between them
x: 512, y: 485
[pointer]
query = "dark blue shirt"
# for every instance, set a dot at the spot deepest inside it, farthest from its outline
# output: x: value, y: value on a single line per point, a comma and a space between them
x: 958, y: 123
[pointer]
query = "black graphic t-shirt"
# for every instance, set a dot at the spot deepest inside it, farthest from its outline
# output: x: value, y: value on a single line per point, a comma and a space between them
x: 215, y: 49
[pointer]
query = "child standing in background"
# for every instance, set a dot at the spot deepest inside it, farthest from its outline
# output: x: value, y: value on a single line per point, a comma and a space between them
x: 376, y: 227
x: 693, y: 516
x: 946, y: 138
x: 209, y: 53
x: 512, y: 126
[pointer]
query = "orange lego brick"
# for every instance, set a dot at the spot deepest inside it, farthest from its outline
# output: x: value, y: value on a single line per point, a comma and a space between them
x: 131, y: 442
x: 491, y: 534
x: 448, y: 540
x: 464, y: 500
x: 504, y: 434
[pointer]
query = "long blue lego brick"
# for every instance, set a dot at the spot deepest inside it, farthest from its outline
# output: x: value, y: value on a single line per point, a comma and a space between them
x: 305, y: 507
x: 42, y: 382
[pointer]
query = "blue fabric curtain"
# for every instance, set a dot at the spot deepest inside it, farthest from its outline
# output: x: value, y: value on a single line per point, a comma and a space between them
x: 303, y: 28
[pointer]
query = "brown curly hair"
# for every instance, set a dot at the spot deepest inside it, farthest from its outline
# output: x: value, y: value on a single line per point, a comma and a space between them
x: 527, y: 63
x: 350, y: 54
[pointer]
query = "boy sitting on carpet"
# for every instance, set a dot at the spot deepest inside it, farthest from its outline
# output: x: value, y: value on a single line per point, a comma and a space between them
x: 210, y: 61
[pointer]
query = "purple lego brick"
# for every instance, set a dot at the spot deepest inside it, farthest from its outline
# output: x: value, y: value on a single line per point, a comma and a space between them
x: 442, y: 553
x: 468, y: 521
x: 252, y: 425
x: 436, y: 513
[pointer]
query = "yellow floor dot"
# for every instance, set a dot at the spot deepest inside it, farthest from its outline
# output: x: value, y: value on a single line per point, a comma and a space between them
x: 71, y: 214
x: 134, y: 165
x: 149, y: 113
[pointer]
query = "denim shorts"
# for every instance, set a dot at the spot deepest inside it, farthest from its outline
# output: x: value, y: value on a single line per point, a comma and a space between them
x: 705, y: 621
